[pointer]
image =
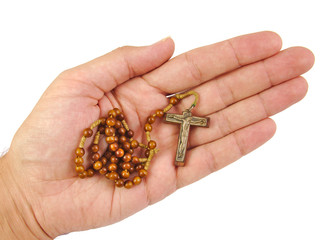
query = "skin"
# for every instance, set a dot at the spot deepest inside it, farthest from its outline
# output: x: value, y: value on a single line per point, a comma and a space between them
x: 241, y: 82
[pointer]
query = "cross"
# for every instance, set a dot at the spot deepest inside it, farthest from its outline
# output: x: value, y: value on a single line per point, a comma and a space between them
x: 185, y: 120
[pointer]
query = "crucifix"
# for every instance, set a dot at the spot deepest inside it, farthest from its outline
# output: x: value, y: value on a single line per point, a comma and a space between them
x: 185, y: 120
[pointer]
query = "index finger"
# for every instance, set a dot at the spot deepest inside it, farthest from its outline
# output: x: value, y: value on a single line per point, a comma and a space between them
x: 202, y: 64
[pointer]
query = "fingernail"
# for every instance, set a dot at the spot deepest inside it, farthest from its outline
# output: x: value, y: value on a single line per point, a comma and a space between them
x: 164, y: 39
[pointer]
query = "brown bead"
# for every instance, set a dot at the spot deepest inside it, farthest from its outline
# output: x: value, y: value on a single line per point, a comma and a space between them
x: 103, y: 161
x: 107, y: 154
x: 142, y: 173
x: 110, y: 122
x: 126, y: 165
x: 103, y: 171
x: 97, y: 165
x: 130, y: 133
x: 134, y: 144
x: 135, y: 160
x: 151, y: 144
x: 79, y: 169
x: 136, y: 180
x: 87, y: 132
x: 131, y: 170
x: 119, y: 183
x: 138, y: 167
x: 79, y: 152
x: 120, y: 116
x: 112, y: 176
x: 122, y: 139
x: 130, y: 151
x: 121, y: 131
x: 116, y: 138
x: 95, y: 157
x: 110, y: 139
x: 119, y: 153
x: 95, y: 148
x: 127, y: 157
x: 112, y: 113
x: 159, y: 113
x: 113, y: 159
x: 83, y: 174
x: 109, y: 131
x: 112, y: 167
x: 102, y: 121
x: 126, y: 146
x: 113, y: 147
x: 101, y: 129
x: 117, y: 111
x: 90, y: 172
x: 125, y: 174
x: 147, y: 152
x: 174, y: 100
x: 148, y: 127
x: 128, y: 184
x: 151, y: 119
x: 78, y: 161
x: 118, y: 125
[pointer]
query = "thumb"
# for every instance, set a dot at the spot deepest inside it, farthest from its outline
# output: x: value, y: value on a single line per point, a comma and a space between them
x: 114, y: 68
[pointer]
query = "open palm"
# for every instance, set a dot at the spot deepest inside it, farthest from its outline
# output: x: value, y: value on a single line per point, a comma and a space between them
x: 241, y: 83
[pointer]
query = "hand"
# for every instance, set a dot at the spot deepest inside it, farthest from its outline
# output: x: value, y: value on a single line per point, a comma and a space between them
x: 241, y: 83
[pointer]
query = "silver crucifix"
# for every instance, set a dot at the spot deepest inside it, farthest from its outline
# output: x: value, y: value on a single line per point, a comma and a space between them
x: 185, y: 120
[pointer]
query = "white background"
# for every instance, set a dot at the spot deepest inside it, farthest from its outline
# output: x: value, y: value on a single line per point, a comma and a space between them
x: 280, y: 191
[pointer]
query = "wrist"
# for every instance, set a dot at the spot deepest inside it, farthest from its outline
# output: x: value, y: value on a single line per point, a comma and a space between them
x: 17, y: 219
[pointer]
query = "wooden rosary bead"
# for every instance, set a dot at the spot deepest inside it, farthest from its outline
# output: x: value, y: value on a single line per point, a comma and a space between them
x: 138, y: 167
x: 113, y: 147
x: 112, y: 167
x: 90, y: 172
x: 142, y: 173
x: 103, y: 171
x: 113, y: 159
x: 101, y: 129
x: 112, y: 113
x: 119, y: 153
x: 79, y: 169
x: 130, y: 133
x: 131, y: 170
x: 135, y: 160
x: 151, y: 144
x: 136, y: 180
x: 119, y: 183
x: 83, y: 174
x: 131, y: 151
x: 159, y: 113
x: 127, y: 157
x: 79, y: 152
x: 97, y: 165
x: 147, y: 152
x: 125, y: 174
x: 103, y: 161
x: 112, y: 176
x: 120, y: 116
x: 121, y: 131
x: 174, y: 100
x: 148, y: 127
x: 126, y: 165
x: 118, y: 124
x: 126, y: 146
x: 128, y: 184
x: 151, y: 119
x: 95, y: 148
x: 122, y: 139
x: 107, y: 154
x: 78, y: 161
x: 110, y: 139
x: 87, y: 132
x: 117, y: 111
x: 111, y: 122
x: 134, y: 144
x: 95, y: 157
x: 109, y: 131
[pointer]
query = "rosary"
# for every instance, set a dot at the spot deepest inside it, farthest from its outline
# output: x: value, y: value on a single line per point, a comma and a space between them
x: 118, y: 163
